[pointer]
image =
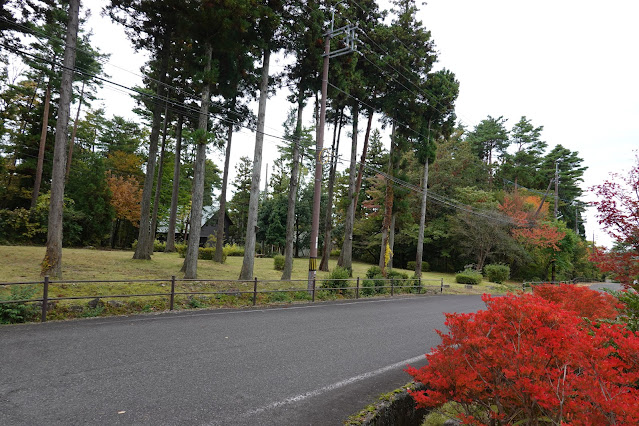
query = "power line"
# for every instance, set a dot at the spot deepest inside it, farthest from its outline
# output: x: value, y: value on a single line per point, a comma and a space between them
x: 535, y: 191
x: 167, y: 86
x: 176, y: 106
x: 440, y: 199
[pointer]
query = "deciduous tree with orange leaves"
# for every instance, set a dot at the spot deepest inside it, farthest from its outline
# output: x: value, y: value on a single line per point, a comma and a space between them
x: 126, y: 196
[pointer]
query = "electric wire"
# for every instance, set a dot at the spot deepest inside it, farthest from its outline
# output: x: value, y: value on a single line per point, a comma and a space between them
x: 153, y: 97
x: 442, y: 200
x: 167, y: 86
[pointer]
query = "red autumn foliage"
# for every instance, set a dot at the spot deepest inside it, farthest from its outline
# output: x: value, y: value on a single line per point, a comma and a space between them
x: 527, y: 360
x: 618, y: 211
x: 529, y: 231
x: 624, y: 266
x: 583, y: 301
x: 542, y: 236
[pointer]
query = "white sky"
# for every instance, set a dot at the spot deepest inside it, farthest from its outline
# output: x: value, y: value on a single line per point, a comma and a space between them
x: 569, y: 65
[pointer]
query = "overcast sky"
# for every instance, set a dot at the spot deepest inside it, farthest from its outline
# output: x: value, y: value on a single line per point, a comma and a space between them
x: 570, y: 66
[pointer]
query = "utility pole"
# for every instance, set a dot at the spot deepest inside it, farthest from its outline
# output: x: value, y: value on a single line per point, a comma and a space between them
x: 554, y: 261
x: 556, y: 188
x: 349, y: 47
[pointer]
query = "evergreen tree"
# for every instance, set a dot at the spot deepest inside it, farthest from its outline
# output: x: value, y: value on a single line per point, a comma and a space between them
x: 522, y: 166
x: 268, y: 31
x: 52, y: 262
x: 489, y: 140
x: 150, y: 25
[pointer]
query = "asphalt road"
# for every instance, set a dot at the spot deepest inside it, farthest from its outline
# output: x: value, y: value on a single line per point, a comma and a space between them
x: 311, y: 364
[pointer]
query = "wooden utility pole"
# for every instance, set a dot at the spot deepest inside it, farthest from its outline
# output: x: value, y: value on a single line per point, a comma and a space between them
x: 554, y: 261
x: 319, y: 145
x: 556, y: 189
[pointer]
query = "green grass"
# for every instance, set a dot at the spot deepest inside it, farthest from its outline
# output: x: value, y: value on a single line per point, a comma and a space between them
x: 22, y: 264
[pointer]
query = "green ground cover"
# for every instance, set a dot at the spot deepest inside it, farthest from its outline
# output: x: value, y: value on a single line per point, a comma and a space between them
x: 22, y: 264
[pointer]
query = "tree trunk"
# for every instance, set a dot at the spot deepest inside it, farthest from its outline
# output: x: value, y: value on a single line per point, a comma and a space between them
x: 251, y: 223
x: 144, y: 233
x: 221, y: 214
x: 12, y: 162
x: 52, y: 262
x: 328, y: 219
x: 346, y: 254
x: 292, y: 192
x: 170, y: 234
x: 362, y: 162
x: 43, y: 141
x: 185, y: 231
x: 391, y: 239
x: 73, y: 133
x: 158, y: 185
x: 388, y: 208
x: 114, y: 234
x: 422, y: 222
x: 297, y: 221
x: 197, y: 194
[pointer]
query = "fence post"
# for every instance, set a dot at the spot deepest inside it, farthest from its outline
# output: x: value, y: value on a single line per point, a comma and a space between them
x: 392, y: 288
x: 45, y: 298
x: 313, y: 298
x: 172, y: 299
x: 419, y: 283
x: 441, y: 290
x: 357, y: 289
x: 255, y: 291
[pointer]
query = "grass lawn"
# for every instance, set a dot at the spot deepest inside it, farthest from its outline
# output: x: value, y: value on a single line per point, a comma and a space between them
x: 22, y: 264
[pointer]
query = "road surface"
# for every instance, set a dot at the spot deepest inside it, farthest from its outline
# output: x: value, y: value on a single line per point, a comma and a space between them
x: 300, y: 365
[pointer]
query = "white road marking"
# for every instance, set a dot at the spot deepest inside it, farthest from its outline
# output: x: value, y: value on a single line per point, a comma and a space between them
x: 332, y: 387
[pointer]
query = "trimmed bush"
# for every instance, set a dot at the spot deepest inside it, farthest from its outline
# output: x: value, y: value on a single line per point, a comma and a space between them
x: 397, y: 278
x: 468, y: 276
x: 204, y: 253
x: 497, y: 272
x: 338, y: 280
x: 157, y: 245
x: 278, y: 262
x: 411, y: 266
x: 374, y: 271
x: 367, y: 288
x: 233, y: 250
x: 374, y: 285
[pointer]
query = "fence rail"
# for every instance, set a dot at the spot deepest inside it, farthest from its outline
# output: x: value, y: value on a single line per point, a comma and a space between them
x: 373, y: 285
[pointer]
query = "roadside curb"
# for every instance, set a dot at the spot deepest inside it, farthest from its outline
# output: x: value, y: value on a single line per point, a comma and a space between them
x: 396, y: 408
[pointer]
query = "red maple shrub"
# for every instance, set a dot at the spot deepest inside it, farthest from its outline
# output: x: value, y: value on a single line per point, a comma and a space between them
x: 586, y: 303
x: 528, y: 360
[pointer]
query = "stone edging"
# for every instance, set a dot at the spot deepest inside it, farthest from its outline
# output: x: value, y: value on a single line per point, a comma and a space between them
x: 396, y: 408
